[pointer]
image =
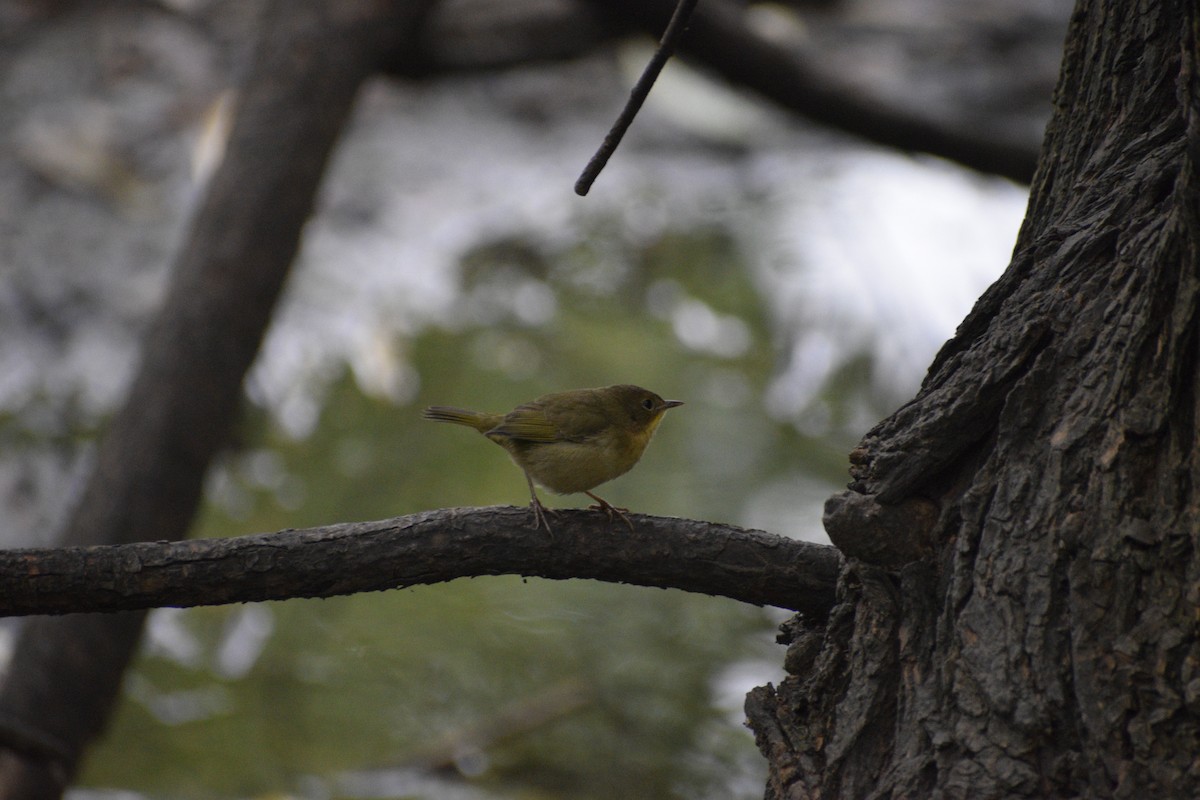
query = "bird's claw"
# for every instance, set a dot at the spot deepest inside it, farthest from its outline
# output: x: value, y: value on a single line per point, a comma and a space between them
x: 609, y: 509
x: 539, y: 517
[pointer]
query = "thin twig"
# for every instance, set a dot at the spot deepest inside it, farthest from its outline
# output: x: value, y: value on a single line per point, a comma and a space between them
x: 641, y: 89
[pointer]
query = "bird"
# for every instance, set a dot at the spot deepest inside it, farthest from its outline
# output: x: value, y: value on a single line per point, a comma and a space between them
x: 569, y: 442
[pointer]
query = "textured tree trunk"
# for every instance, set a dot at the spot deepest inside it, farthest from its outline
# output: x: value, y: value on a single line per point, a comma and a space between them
x: 1023, y: 618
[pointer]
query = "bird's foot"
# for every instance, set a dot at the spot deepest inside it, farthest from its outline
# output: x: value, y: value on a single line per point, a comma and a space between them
x: 609, y: 509
x: 539, y: 516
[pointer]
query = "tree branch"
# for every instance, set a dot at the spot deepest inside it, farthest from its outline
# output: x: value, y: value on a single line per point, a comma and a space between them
x: 721, y: 39
x: 429, y: 547
x: 637, y: 96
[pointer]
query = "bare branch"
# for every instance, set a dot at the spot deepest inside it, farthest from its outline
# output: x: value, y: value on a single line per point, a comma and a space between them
x: 430, y: 547
x: 721, y: 39
x: 641, y: 90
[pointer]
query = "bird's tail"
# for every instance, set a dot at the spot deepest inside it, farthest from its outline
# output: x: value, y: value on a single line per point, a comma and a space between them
x: 479, y: 420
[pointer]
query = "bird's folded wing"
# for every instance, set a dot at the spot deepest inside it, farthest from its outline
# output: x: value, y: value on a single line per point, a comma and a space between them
x: 533, y: 424
x: 529, y: 424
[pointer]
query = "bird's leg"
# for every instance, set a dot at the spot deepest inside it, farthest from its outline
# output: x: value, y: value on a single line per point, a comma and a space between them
x: 609, y: 508
x: 539, y: 510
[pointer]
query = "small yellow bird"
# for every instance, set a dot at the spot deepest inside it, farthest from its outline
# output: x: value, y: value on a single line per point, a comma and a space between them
x: 572, y: 441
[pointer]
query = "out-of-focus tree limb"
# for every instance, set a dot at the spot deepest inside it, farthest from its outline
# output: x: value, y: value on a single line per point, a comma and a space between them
x: 150, y: 465
x: 722, y: 39
x: 976, y: 89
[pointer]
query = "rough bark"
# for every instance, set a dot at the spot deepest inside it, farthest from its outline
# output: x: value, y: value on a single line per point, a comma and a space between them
x: 431, y: 547
x: 149, y: 468
x: 1047, y: 645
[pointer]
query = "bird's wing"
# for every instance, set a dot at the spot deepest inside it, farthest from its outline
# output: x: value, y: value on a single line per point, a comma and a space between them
x: 532, y: 423
x: 528, y: 423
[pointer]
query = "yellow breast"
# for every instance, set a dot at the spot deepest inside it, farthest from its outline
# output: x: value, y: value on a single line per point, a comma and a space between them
x: 569, y: 467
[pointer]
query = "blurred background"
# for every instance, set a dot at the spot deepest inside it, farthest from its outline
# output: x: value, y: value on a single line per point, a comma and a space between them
x: 788, y: 282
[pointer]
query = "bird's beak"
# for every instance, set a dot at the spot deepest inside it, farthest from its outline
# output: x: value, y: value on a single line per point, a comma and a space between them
x: 671, y: 404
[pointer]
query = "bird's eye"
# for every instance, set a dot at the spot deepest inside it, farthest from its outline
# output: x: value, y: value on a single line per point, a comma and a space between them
x: 648, y: 404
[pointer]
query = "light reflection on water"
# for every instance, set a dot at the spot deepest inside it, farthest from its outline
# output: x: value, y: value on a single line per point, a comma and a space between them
x: 178, y: 706
x: 857, y: 250
x: 243, y: 640
x: 853, y: 250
